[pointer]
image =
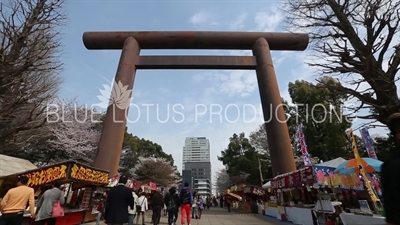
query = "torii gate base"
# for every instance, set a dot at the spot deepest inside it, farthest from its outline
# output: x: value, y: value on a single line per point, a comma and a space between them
x: 261, y: 43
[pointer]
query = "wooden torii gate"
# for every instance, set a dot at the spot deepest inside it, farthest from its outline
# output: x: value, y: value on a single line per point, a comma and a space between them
x: 261, y: 43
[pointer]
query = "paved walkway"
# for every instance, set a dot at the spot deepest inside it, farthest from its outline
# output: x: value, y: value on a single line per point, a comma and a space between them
x: 218, y: 216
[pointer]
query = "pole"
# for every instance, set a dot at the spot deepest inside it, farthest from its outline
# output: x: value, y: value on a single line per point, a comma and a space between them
x: 114, y: 126
x: 362, y: 171
x: 282, y: 158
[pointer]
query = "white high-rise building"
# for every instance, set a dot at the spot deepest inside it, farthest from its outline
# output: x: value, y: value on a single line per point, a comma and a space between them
x: 196, y: 149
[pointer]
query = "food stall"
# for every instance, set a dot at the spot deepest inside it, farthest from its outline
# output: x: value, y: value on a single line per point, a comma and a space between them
x: 80, y: 182
x: 339, y: 185
x: 294, y: 183
x: 251, y: 196
x: 236, y: 193
x: 233, y: 196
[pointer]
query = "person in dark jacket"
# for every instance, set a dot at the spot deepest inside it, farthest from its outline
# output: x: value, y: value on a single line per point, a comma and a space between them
x: 171, y: 200
x: 391, y: 171
x: 157, y: 202
x: 186, y: 200
x: 117, y: 203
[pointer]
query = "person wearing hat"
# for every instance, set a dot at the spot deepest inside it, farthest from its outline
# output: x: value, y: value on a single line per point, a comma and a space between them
x: 391, y: 172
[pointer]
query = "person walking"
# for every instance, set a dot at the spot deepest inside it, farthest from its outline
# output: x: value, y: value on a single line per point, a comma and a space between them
x: 44, y: 207
x: 390, y: 170
x: 132, y: 212
x: 157, y: 202
x: 200, y: 206
x: 186, y: 200
x: 171, y: 200
x: 208, y: 202
x: 101, y: 208
x: 117, y: 203
x: 141, y: 208
x: 179, y: 206
x: 13, y: 204
x: 165, y: 210
x: 195, y: 214
x: 228, y: 203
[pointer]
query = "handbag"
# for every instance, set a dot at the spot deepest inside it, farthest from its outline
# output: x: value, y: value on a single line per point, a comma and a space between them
x: 58, y: 210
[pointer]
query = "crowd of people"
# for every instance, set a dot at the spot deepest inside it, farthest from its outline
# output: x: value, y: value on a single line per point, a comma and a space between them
x: 122, y: 205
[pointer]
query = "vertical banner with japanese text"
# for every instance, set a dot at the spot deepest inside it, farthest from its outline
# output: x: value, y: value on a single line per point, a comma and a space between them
x: 303, y: 146
x: 368, y: 143
x: 359, y: 163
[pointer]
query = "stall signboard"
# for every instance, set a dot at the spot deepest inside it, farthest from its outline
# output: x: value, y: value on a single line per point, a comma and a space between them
x: 133, y: 184
x: 84, y: 173
x: 69, y: 170
x: 47, y: 175
x: 152, y: 185
x: 294, y: 179
x: 253, y: 190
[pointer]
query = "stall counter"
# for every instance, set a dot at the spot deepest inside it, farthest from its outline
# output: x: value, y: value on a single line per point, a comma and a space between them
x: 89, y: 216
x: 71, y: 216
x: 352, y: 219
x: 300, y: 216
x: 272, y: 212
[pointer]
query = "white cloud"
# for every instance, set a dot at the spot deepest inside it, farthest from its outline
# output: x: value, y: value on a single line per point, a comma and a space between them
x: 202, y: 18
x: 239, y: 22
x: 236, y: 82
x: 268, y: 20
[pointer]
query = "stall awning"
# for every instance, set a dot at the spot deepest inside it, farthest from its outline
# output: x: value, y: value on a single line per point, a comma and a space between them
x: 334, y: 163
x: 267, y: 185
x: 234, y: 195
x: 12, y: 165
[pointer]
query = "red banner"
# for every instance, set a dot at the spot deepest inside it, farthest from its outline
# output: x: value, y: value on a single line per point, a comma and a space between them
x: 152, y: 185
x: 253, y: 190
x: 294, y: 179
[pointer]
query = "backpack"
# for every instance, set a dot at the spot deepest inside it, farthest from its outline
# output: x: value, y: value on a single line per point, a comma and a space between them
x: 171, y: 203
x: 185, y: 196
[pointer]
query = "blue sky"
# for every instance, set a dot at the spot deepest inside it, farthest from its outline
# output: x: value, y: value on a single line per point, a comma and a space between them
x: 189, y: 90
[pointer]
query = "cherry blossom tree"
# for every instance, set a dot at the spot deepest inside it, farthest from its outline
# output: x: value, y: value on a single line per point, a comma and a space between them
x: 157, y: 170
x: 222, y: 180
x: 73, y: 130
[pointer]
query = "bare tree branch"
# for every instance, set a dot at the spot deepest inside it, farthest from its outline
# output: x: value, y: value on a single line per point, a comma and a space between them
x: 354, y: 40
x: 29, y: 67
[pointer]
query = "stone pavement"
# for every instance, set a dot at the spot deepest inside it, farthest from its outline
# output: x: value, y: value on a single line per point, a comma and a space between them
x: 218, y: 216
